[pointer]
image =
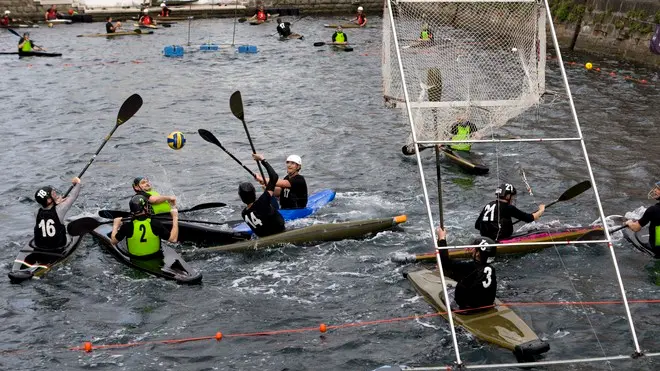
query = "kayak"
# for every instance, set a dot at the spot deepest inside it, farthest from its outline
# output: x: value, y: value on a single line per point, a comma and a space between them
x: 151, y: 26
x: 292, y: 36
x: 21, y: 26
x: 120, y: 33
x: 38, y: 54
x: 346, y: 25
x: 58, y: 21
x: 314, y: 202
x: 538, y: 235
x: 169, y: 265
x: 201, y: 235
x: 34, y: 262
x: 311, y: 234
x: 455, y: 157
x: 640, y: 240
x: 344, y: 47
x: 499, y: 325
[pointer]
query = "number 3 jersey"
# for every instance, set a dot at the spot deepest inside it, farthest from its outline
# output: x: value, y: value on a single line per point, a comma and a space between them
x: 495, y: 219
x: 49, y: 232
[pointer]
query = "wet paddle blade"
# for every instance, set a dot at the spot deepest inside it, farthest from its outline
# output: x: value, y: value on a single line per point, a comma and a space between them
x: 320, y: 43
x: 209, y: 137
x: 20, y: 276
x: 209, y: 205
x: 348, y: 49
x: 572, y: 192
x: 81, y: 226
x: 129, y: 108
x: 236, y: 105
x: 111, y: 214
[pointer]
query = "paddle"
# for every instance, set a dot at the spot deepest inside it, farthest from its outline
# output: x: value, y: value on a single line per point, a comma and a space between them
x: 17, y: 34
x: 346, y: 48
x: 84, y: 225
x: 241, y: 20
x: 127, y: 110
x: 236, y: 105
x: 111, y: 214
x: 570, y: 193
x: 209, y: 137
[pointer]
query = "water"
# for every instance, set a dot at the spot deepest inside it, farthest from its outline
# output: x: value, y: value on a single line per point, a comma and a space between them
x: 327, y: 107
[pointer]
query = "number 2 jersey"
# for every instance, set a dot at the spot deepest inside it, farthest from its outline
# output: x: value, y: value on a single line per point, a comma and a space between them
x: 495, y: 219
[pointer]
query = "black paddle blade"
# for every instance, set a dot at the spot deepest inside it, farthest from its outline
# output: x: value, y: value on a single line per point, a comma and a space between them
x: 137, y: 30
x: 241, y: 20
x: 575, y: 190
x: 236, y: 105
x: 320, y: 43
x: 209, y: 205
x: 209, y: 137
x: 348, y: 49
x: 111, y: 214
x: 14, y: 32
x: 81, y: 226
x: 19, y: 276
x: 129, y: 108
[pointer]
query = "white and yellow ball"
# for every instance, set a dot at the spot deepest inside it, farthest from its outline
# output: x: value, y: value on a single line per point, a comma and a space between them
x: 588, y: 65
x: 176, y: 140
x: 50, y: 25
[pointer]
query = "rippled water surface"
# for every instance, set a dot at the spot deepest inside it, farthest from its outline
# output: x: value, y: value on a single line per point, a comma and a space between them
x: 326, y: 106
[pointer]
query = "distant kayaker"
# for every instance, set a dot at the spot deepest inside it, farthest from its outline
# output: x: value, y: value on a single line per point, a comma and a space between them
x: 360, y: 18
x: 49, y: 231
x: 5, y: 20
x: 461, y: 130
x: 283, y: 28
x: 112, y: 28
x: 339, y: 36
x: 259, y: 213
x: 164, y: 10
x: 51, y: 13
x: 426, y: 33
x: 292, y: 190
x: 476, y: 280
x: 495, y: 222
x: 651, y: 215
x: 26, y: 45
x: 160, y: 204
x: 261, y: 14
x: 146, y: 18
x: 143, y: 234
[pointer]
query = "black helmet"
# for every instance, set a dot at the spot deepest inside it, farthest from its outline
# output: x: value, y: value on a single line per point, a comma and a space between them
x: 138, y: 204
x: 43, y: 194
x: 279, y: 20
x: 485, y: 249
x: 505, y: 189
x: 246, y: 192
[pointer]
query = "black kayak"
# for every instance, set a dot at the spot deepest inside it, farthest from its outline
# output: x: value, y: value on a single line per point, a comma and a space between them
x: 169, y: 265
x: 457, y: 157
x: 201, y: 235
x: 640, y: 240
x: 38, y: 54
x: 34, y: 262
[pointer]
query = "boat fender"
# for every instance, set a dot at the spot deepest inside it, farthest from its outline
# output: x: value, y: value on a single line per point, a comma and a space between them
x: 247, y: 49
x: 530, y: 350
x: 208, y: 47
x: 173, y: 51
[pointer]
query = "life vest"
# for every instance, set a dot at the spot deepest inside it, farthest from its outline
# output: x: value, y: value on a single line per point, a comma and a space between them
x: 339, y: 37
x: 146, y: 20
x: 361, y: 18
x: 261, y: 16
x: 52, y: 14
x: 657, y: 237
x: 160, y: 208
x: 49, y: 232
x: 463, y: 134
x: 144, y: 241
x: 165, y: 12
x: 425, y: 35
x: 4, y: 21
x: 27, y: 46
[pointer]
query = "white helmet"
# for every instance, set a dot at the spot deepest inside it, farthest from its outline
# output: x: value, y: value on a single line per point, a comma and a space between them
x: 146, y: 11
x: 295, y: 159
x: 360, y: 8
x: 7, y: 12
x: 162, y: 5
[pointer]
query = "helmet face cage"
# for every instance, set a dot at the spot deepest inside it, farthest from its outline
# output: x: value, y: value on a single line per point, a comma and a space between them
x: 652, y: 193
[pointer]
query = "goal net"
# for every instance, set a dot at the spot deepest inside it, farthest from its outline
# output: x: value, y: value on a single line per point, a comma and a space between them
x: 463, y: 60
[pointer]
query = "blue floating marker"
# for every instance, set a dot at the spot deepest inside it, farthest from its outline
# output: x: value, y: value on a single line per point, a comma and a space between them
x: 208, y: 47
x: 247, y: 49
x: 173, y: 51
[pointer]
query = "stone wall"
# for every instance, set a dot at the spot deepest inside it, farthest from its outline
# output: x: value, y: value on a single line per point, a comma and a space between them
x: 618, y: 28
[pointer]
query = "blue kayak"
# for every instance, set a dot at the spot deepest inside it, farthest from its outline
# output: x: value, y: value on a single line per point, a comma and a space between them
x: 314, y: 202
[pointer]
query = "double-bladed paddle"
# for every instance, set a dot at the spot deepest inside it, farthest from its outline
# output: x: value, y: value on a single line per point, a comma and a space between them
x: 127, y: 110
x: 570, y: 193
x: 209, y: 137
x: 346, y: 48
x: 236, y: 105
x: 84, y: 225
x: 19, y: 35
x: 111, y: 214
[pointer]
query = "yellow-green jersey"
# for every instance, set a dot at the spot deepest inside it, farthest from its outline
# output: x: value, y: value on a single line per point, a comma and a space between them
x: 159, y: 208
x: 143, y: 236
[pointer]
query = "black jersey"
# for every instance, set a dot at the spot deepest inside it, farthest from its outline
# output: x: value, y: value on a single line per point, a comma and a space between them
x: 652, y: 216
x: 261, y: 216
x: 284, y: 29
x: 49, y: 232
x: 495, y: 222
x: 296, y: 196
